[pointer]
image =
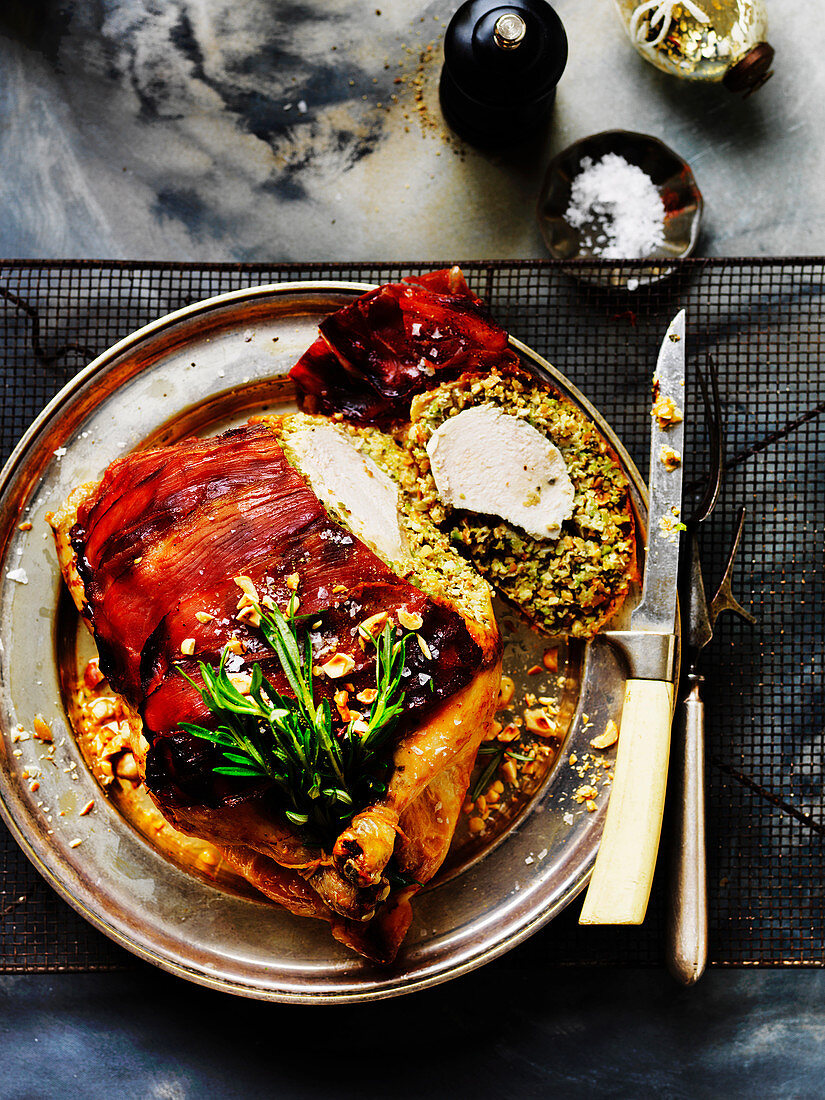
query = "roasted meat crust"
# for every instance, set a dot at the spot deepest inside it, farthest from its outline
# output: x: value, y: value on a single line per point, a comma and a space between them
x: 189, y: 519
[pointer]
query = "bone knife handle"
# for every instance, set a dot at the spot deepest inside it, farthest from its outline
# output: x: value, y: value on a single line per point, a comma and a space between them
x: 620, y: 886
x: 687, y: 930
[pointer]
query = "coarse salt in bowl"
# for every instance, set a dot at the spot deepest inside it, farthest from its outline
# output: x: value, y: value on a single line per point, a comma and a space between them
x: 619, y: 196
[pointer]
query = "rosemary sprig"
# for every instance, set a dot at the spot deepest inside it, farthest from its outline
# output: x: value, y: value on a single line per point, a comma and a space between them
x: 497, y: 754
x: 323, y: 775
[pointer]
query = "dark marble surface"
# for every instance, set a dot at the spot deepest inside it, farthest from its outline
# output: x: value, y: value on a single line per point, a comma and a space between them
x: 218, y: 130
x: 502, y: 1032
x: 209, y: 130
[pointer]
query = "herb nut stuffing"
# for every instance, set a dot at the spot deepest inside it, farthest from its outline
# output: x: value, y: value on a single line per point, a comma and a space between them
x: 570, y: 584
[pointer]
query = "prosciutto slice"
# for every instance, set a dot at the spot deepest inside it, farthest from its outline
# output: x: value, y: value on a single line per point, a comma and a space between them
x: 158, y: 547
x: 374, y: 355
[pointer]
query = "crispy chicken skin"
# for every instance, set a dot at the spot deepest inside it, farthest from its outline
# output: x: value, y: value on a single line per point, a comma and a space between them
x: 164, y: 534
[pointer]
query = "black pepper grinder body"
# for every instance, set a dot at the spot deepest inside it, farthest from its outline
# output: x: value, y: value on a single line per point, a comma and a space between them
x: 502, y: 63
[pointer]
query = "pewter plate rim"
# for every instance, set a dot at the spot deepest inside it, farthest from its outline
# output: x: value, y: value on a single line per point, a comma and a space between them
x: 71, y: 878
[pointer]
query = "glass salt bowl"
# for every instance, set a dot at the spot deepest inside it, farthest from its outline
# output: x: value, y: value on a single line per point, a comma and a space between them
x: 670, y: 174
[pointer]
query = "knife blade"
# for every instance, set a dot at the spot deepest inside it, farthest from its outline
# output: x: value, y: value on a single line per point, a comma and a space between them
x: 623, y: 873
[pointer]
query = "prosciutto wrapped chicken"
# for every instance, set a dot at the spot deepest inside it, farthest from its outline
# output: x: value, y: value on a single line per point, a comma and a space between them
x: 174, y: 557
x: 304, y: 575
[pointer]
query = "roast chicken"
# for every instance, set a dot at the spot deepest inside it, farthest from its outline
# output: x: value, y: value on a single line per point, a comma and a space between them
x: 156, y: 556
x: 338, y: 509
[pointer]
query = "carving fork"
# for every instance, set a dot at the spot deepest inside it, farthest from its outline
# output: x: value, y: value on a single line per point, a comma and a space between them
x: 687, y: 933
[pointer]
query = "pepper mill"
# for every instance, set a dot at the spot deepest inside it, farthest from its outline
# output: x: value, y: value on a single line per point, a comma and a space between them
x: 502, y: 63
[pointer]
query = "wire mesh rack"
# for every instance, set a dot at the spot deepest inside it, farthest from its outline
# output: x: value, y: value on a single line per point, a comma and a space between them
x: 764, y: 322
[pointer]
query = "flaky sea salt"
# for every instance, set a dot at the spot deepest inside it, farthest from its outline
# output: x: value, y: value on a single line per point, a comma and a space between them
x: 617, y: 208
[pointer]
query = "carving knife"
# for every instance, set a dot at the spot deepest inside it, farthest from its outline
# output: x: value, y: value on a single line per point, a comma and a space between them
x: 620, y: 886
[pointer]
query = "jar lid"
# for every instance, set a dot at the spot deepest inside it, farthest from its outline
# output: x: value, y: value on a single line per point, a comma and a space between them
x: 752, y: 71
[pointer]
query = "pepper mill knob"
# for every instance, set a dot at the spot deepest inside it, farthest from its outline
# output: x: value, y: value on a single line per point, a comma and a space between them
x: 502, y: 62
x: 509, y: 30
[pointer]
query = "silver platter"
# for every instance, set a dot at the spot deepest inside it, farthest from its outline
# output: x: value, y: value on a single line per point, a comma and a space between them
x: 197, y: 370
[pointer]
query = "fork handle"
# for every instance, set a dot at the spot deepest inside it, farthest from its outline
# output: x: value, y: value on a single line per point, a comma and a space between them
x: 687, y: 933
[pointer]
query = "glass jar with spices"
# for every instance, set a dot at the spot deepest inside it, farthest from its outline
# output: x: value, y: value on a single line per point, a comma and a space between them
x: 708, y: 40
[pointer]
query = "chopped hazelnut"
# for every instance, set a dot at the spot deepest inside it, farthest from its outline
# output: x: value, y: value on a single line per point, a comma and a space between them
x: 410, y: 620
x: 340, y: 664
x: 551, y: 660
x: 609, y: 737
x: 538, y: 722
x: 373, y: 625
x: 505, y: 693
x: 665, y: 411
x: 493, y: 730
x: 670, y: 458
x: 42, y: 729
x: 247, y: 586
x: 586, y: 791
x: 249, y: 614
x: 508, y: 770
x: 242, y: 681
x: 341, y: 698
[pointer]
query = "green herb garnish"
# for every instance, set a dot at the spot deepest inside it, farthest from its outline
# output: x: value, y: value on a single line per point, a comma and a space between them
x: 324, y: 775
x: 498, y: 754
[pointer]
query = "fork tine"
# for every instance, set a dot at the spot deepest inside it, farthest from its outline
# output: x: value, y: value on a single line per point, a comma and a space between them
x: 713, y: 419
x: 724, y: 599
